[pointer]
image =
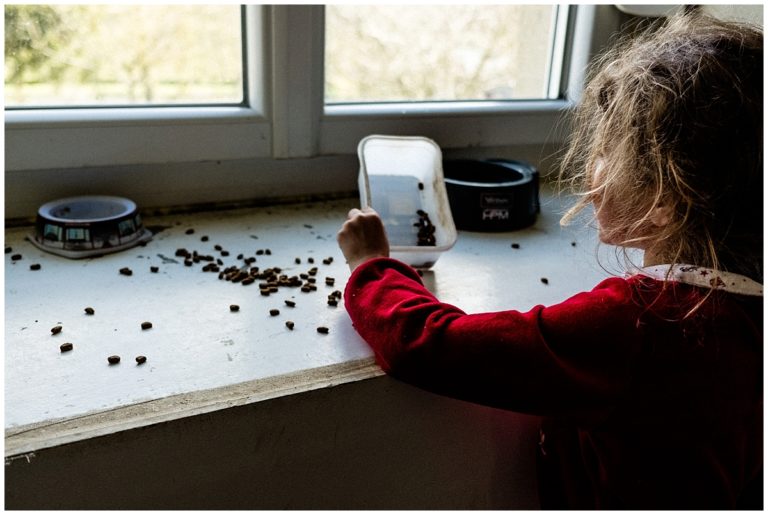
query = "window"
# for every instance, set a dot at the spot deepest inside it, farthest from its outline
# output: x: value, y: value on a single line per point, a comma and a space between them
x: 284, y: 124
x: 97, y: 55
x: 385, y: 53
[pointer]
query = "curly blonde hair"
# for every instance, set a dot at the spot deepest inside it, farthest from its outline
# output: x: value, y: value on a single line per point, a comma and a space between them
x: 676, y: 117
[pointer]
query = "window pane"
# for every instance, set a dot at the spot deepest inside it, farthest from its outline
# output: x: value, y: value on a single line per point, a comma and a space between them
x: 437, y: 52
x: 69, y: 55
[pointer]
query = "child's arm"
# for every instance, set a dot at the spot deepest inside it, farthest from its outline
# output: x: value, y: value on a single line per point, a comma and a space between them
x: 575, y: 357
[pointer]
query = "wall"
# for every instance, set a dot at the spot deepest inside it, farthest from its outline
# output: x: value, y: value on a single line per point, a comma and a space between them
x: 373, y: 444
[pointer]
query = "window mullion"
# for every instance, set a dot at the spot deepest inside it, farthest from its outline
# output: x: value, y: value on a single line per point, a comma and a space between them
x: 297, y: 87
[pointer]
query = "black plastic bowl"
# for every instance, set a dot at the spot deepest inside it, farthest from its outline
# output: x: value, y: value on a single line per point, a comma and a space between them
x: 491, y: 194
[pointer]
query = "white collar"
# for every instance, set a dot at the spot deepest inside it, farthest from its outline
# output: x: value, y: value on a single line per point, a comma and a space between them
x: 704, y: 277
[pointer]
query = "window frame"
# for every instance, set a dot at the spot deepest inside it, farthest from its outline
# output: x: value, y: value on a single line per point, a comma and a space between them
x: 285, y: 119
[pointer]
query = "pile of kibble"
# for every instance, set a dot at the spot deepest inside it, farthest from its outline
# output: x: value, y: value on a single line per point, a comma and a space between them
x: 270, y: 281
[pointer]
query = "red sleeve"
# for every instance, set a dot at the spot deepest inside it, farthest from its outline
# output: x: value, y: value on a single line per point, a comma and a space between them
x: 573, y: 357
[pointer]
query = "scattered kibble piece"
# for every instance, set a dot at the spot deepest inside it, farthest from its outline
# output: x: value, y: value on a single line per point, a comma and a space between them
x: 140, y: 359
x: 182, y: 252
x: 310, y: 260
x: 8, y: 250
x: 146, y: 325
x: 333, y: 302
x: 421, y: 185
x: 190, y: 231
x: 297, y: 261
x: 289, y: 324
x: 322, y: 330
x: 89, y: 311
x: 113, y: 360
x: 545, y: 280
x: 35, y: 266
x: 66, y: 347
x: 126, y: 271
x: 16, y: 257
x: 274, y: 312
x: 154, y: 269
x: 573, y: 244
x: 290, y: 303
x: 56, y: 329
x: 515, y: 245
x: 204, y: 238
x: 234, y: 307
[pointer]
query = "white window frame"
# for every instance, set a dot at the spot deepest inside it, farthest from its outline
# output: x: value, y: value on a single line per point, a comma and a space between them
x: 286, y: 119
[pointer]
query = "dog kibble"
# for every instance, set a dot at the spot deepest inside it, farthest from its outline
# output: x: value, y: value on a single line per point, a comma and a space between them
x: 322, y: 330
x: 289, y: 324
x: 56, y: 329
x: 141, y: 359
x: 515, y: 245
x: 234, y: 307
x: 89, y: 311
x: 8, y: 250
x: 113, y: 360
x: 35, y: 266
x: 126, y: 271
x: 154, y: 269
x: 545, y: 280
x: 146, y: 325
x: 190, y: 231
x: 290, y: 303
x: 66, y: 347
x: 16, y: 257
x: 310, y: 260
x: 204, y: 238
x: 274, y: 312
x: 573, y: 244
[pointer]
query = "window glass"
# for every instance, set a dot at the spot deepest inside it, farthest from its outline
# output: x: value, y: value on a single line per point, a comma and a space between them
x: 379, y: 53
x: 86, y: 55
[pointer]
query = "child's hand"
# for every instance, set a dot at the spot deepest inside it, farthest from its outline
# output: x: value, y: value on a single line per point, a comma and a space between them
x: 362, y: 237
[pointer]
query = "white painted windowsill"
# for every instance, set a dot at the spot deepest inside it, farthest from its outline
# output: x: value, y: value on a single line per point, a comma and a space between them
x: 201, y: 357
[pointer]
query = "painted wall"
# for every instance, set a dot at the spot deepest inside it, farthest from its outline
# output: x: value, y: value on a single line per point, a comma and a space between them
x: 373, y: 444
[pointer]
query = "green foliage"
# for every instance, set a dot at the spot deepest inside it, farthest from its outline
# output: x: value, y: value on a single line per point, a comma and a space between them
x: 122, y: 54
x: 33, y: 35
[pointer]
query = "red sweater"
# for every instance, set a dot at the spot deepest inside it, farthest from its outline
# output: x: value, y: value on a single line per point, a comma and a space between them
x: 643, y: 409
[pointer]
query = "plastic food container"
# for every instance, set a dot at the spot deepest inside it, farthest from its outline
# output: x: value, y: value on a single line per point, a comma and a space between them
x: 492, y: 194
x: 87, y: 226
x: 402, y: 179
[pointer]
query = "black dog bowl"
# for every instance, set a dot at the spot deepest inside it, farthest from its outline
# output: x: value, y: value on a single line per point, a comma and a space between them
x: 492, y: 194
x: 88, y: 226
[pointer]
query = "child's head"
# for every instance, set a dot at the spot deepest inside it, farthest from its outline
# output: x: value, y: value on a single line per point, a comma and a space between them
x: 667, y: 143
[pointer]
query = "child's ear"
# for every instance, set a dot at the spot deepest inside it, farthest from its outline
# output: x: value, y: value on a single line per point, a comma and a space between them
x: 661, y: 215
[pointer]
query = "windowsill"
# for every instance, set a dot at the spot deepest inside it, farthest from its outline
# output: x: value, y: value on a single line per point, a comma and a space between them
x: 201, y: 357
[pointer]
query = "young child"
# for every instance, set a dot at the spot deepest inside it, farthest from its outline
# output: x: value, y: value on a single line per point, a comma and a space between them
x: 650, y: 385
